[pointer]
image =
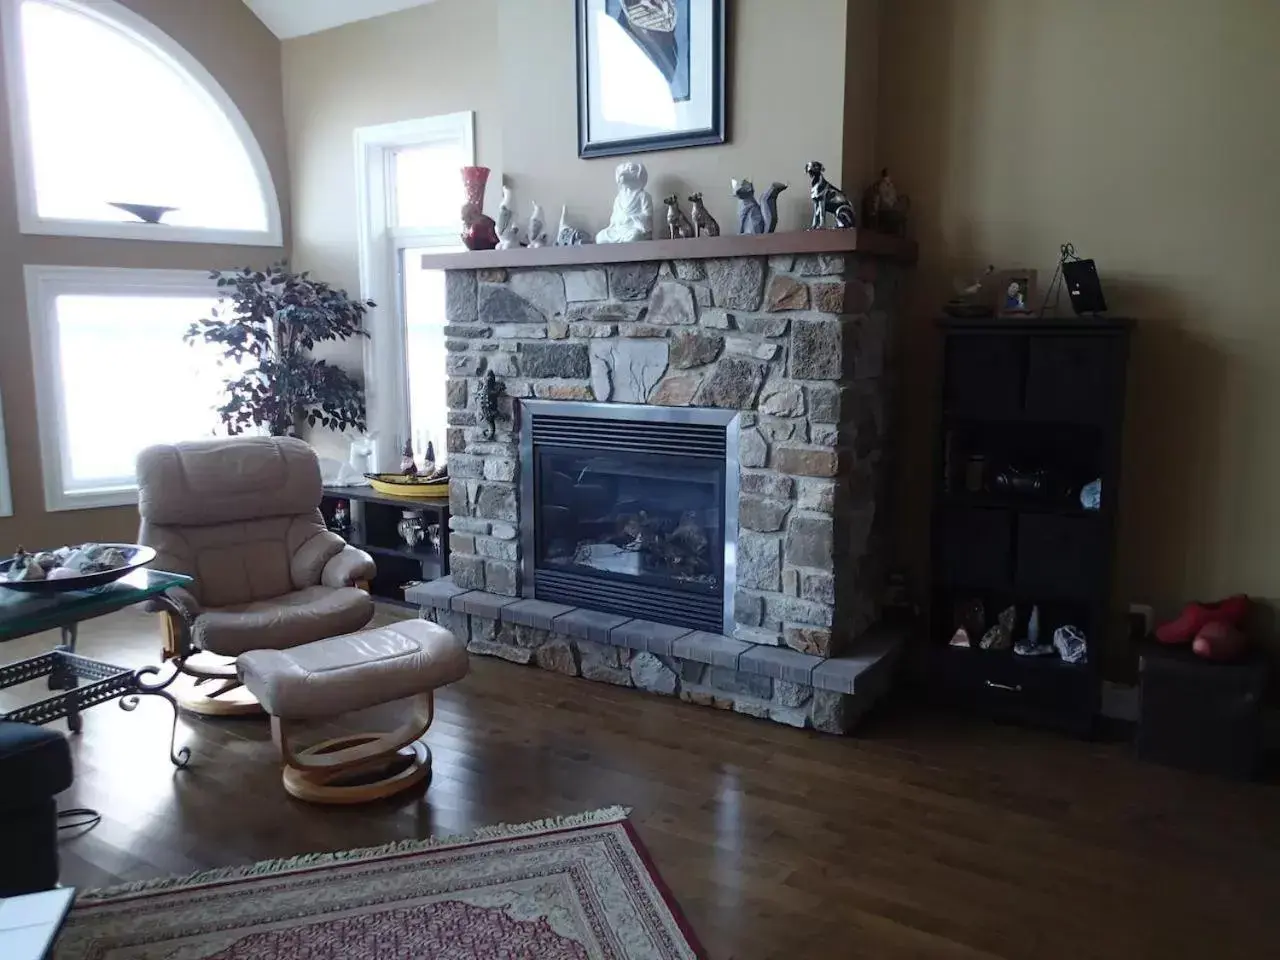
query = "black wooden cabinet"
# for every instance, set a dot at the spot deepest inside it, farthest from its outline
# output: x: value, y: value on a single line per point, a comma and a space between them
x: 1032, y: 413
x: 372, y: 525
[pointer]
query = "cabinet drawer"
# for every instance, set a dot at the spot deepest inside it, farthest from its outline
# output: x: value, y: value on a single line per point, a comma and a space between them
x: 1071, y: 379
x: 1059, y: 556
x: 1004, y: 686
x: 976, y: 547
x: 984, y: 374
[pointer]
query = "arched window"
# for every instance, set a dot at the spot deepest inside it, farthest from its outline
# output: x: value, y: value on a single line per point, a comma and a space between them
x: 116, y: 127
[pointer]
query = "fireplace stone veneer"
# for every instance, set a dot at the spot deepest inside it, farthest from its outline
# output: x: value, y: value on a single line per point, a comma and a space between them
x: 801, y: 346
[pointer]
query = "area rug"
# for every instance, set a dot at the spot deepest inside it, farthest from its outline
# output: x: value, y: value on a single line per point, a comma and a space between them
x: 577, y: 888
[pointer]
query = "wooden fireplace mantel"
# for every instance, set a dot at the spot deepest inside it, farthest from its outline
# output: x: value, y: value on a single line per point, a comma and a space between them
x: 862, y: 242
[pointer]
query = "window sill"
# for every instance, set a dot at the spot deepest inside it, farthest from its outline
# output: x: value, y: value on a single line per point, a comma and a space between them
x: 155, y: 232
x: 91, y: 499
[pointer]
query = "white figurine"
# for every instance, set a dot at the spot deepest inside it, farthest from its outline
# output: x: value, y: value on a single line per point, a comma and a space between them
x: 506, y: 216
x: 632, y: 210
x: 509, y: 238
x: 537, y: 228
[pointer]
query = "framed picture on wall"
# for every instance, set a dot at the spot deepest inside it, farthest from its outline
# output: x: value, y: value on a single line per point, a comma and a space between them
x: 651, y: 75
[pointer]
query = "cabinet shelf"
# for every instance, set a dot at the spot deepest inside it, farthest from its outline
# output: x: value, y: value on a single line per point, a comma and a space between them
x: 994, y: 658
x: 995, y: 501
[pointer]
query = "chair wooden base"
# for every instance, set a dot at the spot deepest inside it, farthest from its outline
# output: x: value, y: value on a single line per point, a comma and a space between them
x: 213, y: 689
x: 386, y: 776
x: 218, y: 700
x: 361, y: 767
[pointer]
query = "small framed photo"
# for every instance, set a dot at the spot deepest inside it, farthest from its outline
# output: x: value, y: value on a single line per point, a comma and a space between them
x: 651, y: 75
x: 1016, y: 293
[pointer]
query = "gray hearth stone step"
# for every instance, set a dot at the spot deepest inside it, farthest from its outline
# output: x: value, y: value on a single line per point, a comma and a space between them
x: 865, y: 672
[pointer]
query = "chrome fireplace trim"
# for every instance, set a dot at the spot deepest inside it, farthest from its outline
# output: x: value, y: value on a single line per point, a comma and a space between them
x: 527, y: 410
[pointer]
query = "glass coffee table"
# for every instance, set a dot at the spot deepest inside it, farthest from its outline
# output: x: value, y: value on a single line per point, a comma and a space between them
x: 23, y: 614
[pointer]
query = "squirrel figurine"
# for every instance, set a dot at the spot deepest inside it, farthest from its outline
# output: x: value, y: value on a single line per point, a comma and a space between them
x: 757, y: 216
x: 678, y: 225
x: 704, y: 223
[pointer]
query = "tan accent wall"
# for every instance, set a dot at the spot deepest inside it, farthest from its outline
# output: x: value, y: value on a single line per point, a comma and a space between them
x: 1147, y: 134
x: 514, y: 63
x: 437, y: 59
x: 786, y: 96
x: 244, y: 57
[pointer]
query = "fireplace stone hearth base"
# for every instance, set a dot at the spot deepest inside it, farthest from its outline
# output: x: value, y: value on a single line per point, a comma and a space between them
x: 766, y: 682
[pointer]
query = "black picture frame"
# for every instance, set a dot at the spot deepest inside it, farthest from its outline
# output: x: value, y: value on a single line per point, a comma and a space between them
x: 716, y: 133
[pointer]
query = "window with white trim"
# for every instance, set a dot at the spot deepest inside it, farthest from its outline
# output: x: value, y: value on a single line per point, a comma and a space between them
x: 410, y: 191
x: 113, y: 375
x: 6, y: 490
x: 119, y: 132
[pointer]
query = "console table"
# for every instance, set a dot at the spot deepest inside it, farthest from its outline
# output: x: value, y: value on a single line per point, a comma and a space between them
x: 24, y: 614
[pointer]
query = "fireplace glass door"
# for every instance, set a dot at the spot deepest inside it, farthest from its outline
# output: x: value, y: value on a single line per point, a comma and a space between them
x: 637, y: 517
x: 631, y: 516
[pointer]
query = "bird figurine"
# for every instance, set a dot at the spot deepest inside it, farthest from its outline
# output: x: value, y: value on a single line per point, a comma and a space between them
x: 506, y: 216
x: 537, y: 228
x: 509, y: 238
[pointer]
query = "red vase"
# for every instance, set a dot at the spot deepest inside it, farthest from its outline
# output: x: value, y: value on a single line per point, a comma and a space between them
x: 478, y: 231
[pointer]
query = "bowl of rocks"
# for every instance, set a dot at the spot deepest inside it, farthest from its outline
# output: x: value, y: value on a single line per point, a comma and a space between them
x: 72, y: 568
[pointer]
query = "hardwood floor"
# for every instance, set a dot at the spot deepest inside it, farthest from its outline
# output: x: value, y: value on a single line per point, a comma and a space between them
x: 929, y: 836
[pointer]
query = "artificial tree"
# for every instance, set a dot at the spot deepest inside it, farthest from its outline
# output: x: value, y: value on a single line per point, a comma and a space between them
x: 276, y: 318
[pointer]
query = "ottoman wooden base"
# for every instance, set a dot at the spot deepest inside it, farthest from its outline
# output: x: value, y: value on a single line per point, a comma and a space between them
x: 382, y: 777
x: 361, y: 767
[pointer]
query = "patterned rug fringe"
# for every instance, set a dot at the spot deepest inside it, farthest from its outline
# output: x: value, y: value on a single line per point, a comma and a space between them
x: 502, y: 831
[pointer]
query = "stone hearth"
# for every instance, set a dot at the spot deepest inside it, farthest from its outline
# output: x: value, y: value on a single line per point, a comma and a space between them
x: 803, y: 345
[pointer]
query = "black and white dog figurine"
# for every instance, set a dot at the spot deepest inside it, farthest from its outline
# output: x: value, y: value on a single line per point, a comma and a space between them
x: 828, y: 199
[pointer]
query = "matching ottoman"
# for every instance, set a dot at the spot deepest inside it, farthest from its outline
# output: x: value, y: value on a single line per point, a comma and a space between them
x: 318, y: 681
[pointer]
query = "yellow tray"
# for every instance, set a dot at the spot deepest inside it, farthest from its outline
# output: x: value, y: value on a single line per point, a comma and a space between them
x: 410, y: 488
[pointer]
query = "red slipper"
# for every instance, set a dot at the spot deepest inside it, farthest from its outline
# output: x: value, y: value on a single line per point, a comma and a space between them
x: 1195, y: 616
x: 1220, y: 641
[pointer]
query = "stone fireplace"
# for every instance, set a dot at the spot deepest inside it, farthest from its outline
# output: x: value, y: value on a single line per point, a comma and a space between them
x: 684, y: 487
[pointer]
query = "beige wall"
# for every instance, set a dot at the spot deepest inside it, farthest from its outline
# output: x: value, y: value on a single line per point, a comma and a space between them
x: 787, y: 69
x: 1145, y: 132
x: 430, y: 60
x: 513, y: 62
x: 245, y: 58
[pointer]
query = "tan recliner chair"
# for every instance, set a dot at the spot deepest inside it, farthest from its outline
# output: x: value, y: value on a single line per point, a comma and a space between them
x: 241, y: 516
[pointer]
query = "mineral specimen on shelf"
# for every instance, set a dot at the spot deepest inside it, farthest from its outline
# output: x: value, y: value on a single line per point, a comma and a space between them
x: 1071, y: 644
x: 1025, y: 648
x: 971, y: 616
x: 1000, y: 636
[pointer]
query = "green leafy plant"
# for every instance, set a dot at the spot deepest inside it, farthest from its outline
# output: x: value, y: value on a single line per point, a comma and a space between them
x: 276, y: 318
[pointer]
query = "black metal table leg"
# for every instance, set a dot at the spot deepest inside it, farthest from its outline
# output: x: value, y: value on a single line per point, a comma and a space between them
x: 65, y: 678
x: 182, y: 644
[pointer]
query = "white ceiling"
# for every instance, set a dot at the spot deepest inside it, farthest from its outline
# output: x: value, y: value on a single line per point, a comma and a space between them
x: 296, y: 18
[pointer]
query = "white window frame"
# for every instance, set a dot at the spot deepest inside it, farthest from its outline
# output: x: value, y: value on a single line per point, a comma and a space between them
x: 381, y: 247
x: 6, y: 488
x: 44, y: 285
x: 159, y: 44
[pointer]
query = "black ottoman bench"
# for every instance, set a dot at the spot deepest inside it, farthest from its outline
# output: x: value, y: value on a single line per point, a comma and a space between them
x: 35, y: 766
